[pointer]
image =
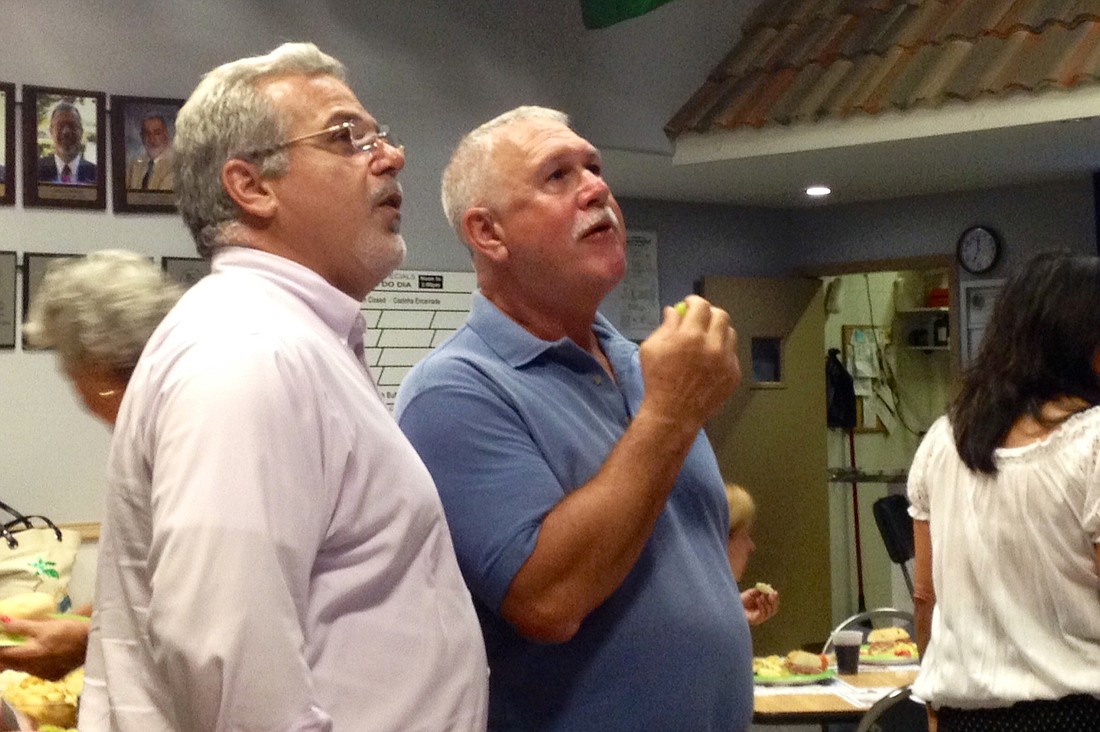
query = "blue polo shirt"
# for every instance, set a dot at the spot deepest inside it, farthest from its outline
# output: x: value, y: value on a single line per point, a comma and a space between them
x: 508, y: 424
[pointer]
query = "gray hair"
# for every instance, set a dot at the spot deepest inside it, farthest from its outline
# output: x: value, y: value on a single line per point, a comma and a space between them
x: 66, y: 107
x: 227, y: 117
x: 100, y: 309
x: 470, y: 176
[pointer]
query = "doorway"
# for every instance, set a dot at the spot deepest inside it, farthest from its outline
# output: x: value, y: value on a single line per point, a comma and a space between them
x: 772, y: 435
x: 896, y: 323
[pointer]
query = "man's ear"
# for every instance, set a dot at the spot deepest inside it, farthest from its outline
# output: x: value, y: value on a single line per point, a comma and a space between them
x: 483, y: 234
x: 249, y: 190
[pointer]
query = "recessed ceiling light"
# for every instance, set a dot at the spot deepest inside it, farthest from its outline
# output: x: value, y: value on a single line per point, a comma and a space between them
x: 818, y: 191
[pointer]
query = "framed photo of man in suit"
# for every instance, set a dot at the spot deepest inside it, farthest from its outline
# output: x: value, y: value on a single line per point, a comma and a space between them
x: 7, y: 144
x: 64, y: 147
x: 142, y: 157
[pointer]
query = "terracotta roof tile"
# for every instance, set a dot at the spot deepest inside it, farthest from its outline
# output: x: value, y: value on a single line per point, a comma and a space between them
x: 842, y: 99
x: 920, y: 23
x: 747, y: 51
x: 799, y: 61
x: 1088, y: 68
x: 807, y: 82
x: 878, y: 86
x: 930, y: 90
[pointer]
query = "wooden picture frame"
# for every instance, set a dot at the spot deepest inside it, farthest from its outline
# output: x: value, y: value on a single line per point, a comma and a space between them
x: 56, y: 118
x: 142, y: 131
x: 9, y: 266
x: 848, y: 333
x: 34, y: 269
x: 185, y: 270
x: 7, y: 144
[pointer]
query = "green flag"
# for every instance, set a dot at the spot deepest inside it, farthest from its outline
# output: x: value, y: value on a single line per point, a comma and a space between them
x: 602, y: 13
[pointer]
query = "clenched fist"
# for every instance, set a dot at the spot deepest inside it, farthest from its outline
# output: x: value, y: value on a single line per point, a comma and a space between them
x: 690, y: 362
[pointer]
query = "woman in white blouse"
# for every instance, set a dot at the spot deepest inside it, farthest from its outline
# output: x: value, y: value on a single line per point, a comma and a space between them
x: 1005, y: 494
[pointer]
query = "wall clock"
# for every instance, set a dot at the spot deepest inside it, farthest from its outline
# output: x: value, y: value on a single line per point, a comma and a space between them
x: 978, y: 249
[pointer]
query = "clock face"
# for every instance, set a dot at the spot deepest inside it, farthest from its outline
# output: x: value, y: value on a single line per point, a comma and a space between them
x: 978, y: 249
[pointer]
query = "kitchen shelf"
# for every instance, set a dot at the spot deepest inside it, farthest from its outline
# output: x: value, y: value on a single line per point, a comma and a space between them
x: 918, y: 326
x: 922, y: 311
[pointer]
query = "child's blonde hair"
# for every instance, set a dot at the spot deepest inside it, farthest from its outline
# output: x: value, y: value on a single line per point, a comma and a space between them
x: 742, y: 508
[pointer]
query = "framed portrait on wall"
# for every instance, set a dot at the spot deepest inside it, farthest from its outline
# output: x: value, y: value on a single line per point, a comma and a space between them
x: 64, y: 147
x: 7, y: 144
x: 185, y: 270
x: 34, y: 269
x: 142, y: 131
x: 7, y: 299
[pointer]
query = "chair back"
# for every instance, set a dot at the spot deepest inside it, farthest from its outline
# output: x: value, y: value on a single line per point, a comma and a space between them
x: 898, y: 711
x: 896, y: 526
x: 869, y: 619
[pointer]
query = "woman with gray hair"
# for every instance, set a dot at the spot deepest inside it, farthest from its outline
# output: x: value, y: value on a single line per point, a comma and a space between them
x: 97, y: 312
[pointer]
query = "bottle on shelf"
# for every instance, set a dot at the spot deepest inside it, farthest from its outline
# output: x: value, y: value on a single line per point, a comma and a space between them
x: 940, y: 331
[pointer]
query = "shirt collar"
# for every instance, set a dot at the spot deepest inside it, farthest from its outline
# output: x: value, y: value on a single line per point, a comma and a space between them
x: 73, y: 164
x: 339, y: 311
x: 517, y: 346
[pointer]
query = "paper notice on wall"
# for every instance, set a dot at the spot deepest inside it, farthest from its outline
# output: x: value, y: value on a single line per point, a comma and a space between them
x: 634, y: 307
x: 408, y: 315
x: 411, y: 312
x: 864, y: 357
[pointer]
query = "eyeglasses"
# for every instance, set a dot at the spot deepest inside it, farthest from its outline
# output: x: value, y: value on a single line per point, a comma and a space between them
x: 353, y: 132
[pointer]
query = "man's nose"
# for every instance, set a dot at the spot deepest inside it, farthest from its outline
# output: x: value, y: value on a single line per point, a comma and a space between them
x: 594, y: 189
x: 389, y: 159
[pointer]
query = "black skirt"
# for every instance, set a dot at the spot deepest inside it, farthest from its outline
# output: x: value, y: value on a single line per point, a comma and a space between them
x: 1077, y: 713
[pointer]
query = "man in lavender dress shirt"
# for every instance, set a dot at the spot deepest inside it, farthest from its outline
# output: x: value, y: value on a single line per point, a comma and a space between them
x: 275, y: 555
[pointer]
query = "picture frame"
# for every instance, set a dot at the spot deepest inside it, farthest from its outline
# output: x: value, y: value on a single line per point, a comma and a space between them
x: 78, y: 119
x: 9, y: 265
x: 7, y: 144
x: 142, y: 131
x: 185, y: 270
x: 34, y: 269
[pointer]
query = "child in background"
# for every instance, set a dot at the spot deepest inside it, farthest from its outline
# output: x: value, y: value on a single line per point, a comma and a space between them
x: 760, y: 602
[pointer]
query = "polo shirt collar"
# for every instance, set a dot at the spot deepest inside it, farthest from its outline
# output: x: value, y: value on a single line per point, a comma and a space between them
x: 517, y: 346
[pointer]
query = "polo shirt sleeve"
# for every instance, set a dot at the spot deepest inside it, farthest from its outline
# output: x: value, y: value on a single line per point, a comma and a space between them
x: 495, y: 485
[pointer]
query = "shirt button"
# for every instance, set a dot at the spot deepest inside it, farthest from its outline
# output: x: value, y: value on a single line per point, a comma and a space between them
x: 597, y: 379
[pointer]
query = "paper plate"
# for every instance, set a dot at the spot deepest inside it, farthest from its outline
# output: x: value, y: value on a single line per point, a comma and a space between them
x: 794, y: 679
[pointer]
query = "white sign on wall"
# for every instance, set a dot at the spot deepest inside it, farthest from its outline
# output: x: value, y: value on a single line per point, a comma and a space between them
x: 412, y: 312
x: 634, y: 307
x: 409, y: 314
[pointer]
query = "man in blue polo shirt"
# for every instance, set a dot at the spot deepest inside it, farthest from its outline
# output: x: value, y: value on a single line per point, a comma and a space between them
x: 585, y: 503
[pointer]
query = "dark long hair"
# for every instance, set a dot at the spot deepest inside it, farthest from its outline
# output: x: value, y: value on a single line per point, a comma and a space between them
x: 1039, y: 345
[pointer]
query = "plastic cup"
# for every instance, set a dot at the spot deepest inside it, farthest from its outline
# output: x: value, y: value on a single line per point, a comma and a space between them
x: 846, y: 643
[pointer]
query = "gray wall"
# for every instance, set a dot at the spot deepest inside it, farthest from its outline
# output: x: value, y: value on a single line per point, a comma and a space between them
x: 1030, y: 218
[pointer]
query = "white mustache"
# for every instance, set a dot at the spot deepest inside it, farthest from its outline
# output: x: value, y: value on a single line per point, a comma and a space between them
x: 595, y: 218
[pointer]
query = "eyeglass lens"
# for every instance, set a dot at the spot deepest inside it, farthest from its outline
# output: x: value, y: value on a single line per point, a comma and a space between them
x: 367, y: 139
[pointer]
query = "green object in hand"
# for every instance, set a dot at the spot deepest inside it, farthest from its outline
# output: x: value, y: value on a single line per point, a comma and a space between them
x: 681, y: 307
